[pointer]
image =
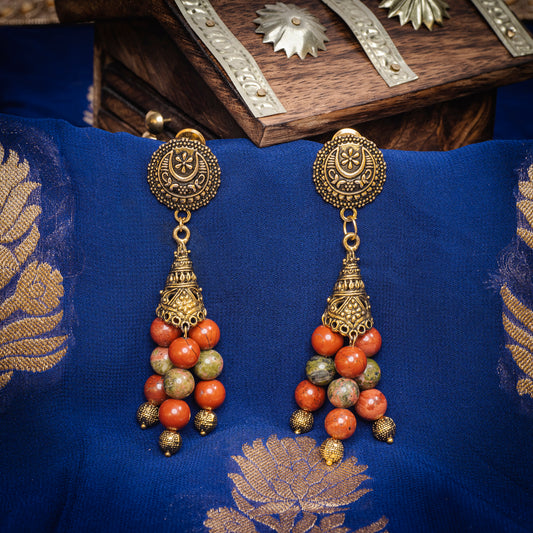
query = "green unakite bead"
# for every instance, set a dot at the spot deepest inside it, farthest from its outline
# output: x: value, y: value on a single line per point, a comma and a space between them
x: 179, y: 383
x: 160, y: 361
x: 370, y: 377
x: 209, y: 365
x: 320, y: 370
x: 343, y: 392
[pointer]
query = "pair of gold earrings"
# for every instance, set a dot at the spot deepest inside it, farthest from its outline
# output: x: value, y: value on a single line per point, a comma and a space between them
x: 183, y: 174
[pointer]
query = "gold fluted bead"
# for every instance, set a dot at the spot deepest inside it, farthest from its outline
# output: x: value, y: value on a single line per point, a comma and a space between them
x: 384, y: 429
x: 205, y: 421
x: 169, y: 442
x: 147, y: 415
x: 332, y: 451
x: 301, y: 421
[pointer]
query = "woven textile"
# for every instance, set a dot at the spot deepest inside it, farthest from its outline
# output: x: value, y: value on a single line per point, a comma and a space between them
x: 267, y: 251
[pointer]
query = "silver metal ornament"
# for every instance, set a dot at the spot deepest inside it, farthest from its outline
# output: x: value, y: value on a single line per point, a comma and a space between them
x: 417, y: 12
x: 292, y: 29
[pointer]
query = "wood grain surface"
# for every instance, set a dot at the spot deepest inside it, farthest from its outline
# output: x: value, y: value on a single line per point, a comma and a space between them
x: 127, y: 97
x: 148, y: 55
x: 74, y: 11
x: 442, y: 126
x: 339, y: 88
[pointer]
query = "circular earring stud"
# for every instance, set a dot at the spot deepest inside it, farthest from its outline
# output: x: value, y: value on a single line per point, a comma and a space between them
x: 349, y: 170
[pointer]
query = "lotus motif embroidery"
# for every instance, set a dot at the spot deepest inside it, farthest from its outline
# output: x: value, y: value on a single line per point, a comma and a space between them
x: 286, y: 486
x: 26, y: 343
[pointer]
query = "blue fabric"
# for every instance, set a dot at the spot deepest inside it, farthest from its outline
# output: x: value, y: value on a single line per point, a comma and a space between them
x: 514, y: 112
x: 267, y: 251
x: 46, y: 71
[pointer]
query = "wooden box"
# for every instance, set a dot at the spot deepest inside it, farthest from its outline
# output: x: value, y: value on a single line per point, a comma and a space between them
x: 147, y: 57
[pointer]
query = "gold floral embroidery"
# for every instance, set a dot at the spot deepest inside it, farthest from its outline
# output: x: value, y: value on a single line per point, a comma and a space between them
x: 24, y: 345
x: 526, y: 207
x: 526, y: 236
x: 525, y: 386
x: 516, y: 333
x: 517, y: 317
x: 286, y: 486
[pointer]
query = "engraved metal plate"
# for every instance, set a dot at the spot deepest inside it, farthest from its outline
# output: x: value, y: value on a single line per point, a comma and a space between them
x: 184, y: 174
x: 375, y: 41
x: 506, y: 26
x: 349, y: 171
x: 236, y: 61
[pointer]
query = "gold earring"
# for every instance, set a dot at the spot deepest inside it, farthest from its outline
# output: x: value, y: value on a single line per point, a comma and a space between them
x: 184, y: 175
x: 349, y: 172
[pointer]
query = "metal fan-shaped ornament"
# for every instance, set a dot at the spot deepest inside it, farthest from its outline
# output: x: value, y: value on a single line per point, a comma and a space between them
x: 291, y: 28
x: 417, y: 12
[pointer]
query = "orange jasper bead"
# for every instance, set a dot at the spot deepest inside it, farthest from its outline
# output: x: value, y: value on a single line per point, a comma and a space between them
x: 309, y: 397
x: 340, y: 423
x: 350, y: 361
x: 370, y: 342
x: 154, y: 390
x: 326, y: 342
x: 209, y: 394
x: 184, y: 353
x: 174, y: 414
x: 206, y: 334
x: 371, y: 405
x: 162, y: 333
